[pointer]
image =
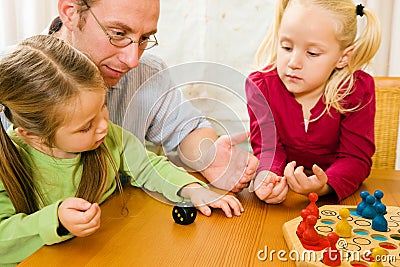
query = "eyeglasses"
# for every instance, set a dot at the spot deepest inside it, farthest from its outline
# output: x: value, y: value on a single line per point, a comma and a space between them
x: 123, y: 41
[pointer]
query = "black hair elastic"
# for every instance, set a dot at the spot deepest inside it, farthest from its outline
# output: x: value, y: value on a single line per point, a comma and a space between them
x: 360, y: 10
x: 55, y: 25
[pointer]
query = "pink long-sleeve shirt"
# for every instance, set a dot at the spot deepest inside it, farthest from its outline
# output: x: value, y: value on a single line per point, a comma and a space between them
x: 341, y: 144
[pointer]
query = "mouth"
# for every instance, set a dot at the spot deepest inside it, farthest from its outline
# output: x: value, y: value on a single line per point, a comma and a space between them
x: 292, y: 76
x: 101, y: 140
x: 113, y: 73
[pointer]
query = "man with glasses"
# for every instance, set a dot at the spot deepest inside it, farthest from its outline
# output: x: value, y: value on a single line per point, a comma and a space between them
x: 114, y: 35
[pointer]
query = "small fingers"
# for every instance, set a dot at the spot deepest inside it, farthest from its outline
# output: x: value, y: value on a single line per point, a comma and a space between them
x: 289, y: 169
x: 252, y: 164
x: 295, y: 180
x: 279, y: 198
x: 228, y: 204
x: 263, y: 191
x: 239, y: 187
x: 204, y: 209
x: 319, y: 173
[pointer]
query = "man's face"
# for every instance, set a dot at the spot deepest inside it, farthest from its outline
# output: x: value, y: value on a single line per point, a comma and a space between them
x: 136, y: 19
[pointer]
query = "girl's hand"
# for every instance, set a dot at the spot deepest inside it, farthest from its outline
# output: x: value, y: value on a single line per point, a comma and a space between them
x: 270, y: 188
x: 203, y: 199
x: 79, y: 217
x: 300, y: 183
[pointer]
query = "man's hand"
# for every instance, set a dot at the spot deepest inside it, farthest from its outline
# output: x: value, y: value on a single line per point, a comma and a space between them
x: 231, y: 168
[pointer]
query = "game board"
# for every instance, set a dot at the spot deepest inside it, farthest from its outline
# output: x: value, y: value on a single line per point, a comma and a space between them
x: 363, y: 238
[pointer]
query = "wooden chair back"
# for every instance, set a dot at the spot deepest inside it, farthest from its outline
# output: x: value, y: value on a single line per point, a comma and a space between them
x: 386, y: 122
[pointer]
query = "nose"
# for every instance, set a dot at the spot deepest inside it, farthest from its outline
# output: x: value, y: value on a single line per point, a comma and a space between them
x: 130, y: 55
x: 295, y: 61
x: 102, y: 126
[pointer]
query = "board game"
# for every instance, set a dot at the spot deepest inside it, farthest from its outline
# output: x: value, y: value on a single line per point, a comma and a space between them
x: 355, y: 251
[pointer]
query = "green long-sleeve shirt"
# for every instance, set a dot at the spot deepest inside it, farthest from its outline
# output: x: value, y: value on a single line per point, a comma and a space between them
x: 21, y: 234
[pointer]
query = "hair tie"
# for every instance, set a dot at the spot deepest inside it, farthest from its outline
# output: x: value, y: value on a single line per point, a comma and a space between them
x: 360, y: 10
x: 55, y: 25
x: 2, y: 108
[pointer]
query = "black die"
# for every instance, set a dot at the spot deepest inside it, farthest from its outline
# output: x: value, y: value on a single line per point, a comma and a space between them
x: 184, y: 213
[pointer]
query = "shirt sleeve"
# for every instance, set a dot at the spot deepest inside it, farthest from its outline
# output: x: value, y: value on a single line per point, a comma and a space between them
x: 264, y: 138
x: 353, y: 163
x: 149, y: 171
x: 21, y: 234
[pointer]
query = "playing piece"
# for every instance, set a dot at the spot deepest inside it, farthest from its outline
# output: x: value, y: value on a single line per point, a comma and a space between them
x: 332, y: 255
x: 343, y: 227
x: 184, y: 213
x: 363, y: 203
x: 369, y: 211
x: 379, y: 222
x: 356, y: 250
x: 310, y: 235
x: 376, y: 254
x: 378, y: 194
x: 300, y: 229
x: 312, y: 207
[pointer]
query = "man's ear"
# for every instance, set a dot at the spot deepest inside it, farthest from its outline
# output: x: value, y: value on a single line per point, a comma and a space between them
x: 66, y: 11
x: 344, y: 59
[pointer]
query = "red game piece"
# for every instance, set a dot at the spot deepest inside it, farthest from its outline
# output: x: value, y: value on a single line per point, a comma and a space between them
x: 310, y: 235
x: 311, y: 239
x: 332, y: 254
x: 312, y: 207
x: 300, y: 228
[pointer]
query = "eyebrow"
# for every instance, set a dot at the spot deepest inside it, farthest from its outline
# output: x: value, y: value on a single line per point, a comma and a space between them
x: 283, y: 38
x: 127, y: 28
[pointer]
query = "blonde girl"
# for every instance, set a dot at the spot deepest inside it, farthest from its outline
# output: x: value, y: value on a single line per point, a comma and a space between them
x: 311, y: 105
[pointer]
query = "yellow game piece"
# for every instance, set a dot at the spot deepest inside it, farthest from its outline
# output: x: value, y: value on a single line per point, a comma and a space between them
x: 343, y: 227
x: 375, y: 252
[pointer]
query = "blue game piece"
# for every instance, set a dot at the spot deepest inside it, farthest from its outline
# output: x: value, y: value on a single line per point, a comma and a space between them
x: 379, y: 223
x: 369, y: 211
x: 378, y: 196
x: 362, y: 204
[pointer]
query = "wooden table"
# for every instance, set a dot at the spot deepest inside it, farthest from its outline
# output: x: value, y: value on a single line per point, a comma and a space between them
x: 148, y: 236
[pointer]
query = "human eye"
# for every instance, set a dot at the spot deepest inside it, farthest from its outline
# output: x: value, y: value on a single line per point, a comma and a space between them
x: 286, y: 46
x: 87, y: 129
x: 144, y: 39
x: 117, y: 33
x: 313, y: 54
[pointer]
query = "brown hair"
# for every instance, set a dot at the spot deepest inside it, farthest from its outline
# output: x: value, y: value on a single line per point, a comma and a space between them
x: 37, y: 80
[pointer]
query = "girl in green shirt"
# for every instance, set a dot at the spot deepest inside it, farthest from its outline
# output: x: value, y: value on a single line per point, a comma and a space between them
x: 61, y: 157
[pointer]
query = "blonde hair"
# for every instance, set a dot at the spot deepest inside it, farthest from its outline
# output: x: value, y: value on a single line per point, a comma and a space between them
x: 366, y: 45
x: 37, y: 81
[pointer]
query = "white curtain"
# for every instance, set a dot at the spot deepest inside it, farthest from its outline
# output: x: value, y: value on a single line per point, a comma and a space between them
x: 23, y: 18
x: 387, y: 61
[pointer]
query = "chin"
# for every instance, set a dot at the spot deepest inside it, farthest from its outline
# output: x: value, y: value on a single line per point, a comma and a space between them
x: 110, y: 83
